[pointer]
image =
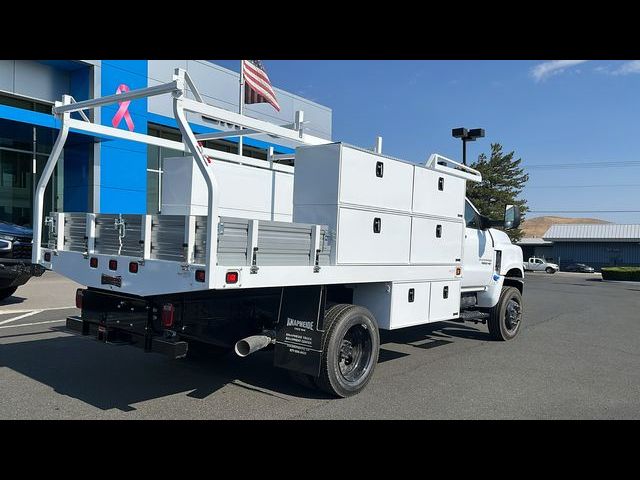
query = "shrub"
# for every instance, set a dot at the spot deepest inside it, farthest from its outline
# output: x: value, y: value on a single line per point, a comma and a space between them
x: 621, y: 273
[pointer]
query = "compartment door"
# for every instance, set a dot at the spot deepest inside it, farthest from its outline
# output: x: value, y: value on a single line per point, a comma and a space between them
x: 444, y: 303
x: 374, y: 181
x: 409, y: 304
x: 366, y: 237
x: 436, y: 241
x: 435, y: 193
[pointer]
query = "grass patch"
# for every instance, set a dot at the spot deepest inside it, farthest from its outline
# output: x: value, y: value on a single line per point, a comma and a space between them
x: 621, y: 273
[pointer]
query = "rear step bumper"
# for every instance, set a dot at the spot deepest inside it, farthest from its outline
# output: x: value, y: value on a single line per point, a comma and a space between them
x: 172, y: 349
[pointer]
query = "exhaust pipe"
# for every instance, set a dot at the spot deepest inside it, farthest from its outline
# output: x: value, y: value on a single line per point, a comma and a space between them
x: 252, y: 344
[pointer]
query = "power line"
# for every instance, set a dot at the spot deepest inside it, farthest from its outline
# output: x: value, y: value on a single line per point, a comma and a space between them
x: 567, y: 166
x: 586, y: 186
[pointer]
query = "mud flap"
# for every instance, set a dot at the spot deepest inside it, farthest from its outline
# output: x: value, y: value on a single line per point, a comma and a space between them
x: 300, y: 329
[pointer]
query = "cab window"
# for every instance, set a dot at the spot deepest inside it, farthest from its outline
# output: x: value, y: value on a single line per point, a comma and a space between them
x: 470, y: 215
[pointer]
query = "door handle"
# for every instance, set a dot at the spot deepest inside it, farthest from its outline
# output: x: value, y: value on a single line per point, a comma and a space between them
x: 377, y: 225
x: 438, y: 231
x: 379, y: 169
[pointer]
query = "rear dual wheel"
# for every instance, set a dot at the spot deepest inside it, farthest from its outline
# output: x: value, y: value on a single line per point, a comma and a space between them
x: 349, y: 352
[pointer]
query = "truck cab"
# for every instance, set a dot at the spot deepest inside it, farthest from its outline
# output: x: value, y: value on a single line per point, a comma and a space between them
x: 487, y: 251
x: 535, y: 264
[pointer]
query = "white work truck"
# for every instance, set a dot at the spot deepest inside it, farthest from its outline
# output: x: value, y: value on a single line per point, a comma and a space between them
x: 309, y: 261
x: 535, y: 264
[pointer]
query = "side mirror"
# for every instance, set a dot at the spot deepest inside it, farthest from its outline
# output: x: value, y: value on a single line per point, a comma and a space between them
x: 484, y: 222
x: 511, y: 217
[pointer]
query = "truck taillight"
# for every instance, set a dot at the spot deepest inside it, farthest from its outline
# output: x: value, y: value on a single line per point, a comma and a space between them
x: 133, y: 267
x: 79, y: 293
x: 47, y: 256
x: 200, y: 276
x: 167, y: 315
x: 232, y: 277
x: 93, y: 262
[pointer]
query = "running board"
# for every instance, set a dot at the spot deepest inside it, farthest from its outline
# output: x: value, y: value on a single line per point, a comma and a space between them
x: 472, y: 316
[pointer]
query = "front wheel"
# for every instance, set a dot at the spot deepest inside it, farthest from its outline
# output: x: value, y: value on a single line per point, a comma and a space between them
x: 7, y: 292
x: 550, y: 270
x: 505, y: 319
x: 350, y: 350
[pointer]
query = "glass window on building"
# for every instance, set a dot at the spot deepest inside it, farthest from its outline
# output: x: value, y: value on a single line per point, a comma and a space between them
x: 24, y: 149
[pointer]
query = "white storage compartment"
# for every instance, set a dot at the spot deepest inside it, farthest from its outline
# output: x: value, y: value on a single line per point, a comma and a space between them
x: 395, y: 305
x: 409, y: 304
x: 375, y: 181
x: 436, y: 241
x: 369, y: 237
x: 338, y: 174
x: 245, y: 191
x: 435, y: 193
x: 444, y: 301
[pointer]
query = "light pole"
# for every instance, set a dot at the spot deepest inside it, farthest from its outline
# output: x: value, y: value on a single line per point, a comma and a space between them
x: 467, y: 136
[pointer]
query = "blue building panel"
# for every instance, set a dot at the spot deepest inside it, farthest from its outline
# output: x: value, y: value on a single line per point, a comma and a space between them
x: 123, y: 164
x: 598, y: 254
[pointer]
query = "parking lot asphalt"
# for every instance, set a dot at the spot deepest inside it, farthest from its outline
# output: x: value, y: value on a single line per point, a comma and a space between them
x: 578, y: 357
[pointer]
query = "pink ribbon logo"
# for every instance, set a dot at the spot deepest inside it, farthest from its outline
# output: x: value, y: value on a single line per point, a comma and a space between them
x: 123, y: 111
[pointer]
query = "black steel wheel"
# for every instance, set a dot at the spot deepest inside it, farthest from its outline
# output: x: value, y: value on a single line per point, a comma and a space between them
x: 550, y: 270
x: 7, y: 292
x: 350, y: 350
x: 505, y: 319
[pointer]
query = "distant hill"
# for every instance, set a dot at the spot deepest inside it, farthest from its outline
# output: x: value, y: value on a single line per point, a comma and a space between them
x: 537, y: 226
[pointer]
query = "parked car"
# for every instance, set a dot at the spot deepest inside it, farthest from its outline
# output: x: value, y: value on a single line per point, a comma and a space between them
x: 579, y: 267
x: 540, y: 265
x: 15, y: 258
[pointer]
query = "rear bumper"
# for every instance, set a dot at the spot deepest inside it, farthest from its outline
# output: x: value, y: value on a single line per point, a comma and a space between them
x: 108, y: 334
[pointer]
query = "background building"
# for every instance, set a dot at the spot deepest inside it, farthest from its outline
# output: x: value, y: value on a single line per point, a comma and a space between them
x: 115, y: 176
x: 596, y: 245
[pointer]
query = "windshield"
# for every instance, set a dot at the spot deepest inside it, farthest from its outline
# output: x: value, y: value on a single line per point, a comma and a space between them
x: 470, y: 214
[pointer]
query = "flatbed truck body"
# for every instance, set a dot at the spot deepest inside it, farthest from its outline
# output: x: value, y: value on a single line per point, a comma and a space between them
x: 309, y: 261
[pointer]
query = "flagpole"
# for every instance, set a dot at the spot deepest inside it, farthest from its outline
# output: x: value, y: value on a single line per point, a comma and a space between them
x: 241, y: 102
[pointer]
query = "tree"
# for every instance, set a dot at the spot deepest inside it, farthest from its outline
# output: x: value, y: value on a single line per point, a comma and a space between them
x: 502, y: 182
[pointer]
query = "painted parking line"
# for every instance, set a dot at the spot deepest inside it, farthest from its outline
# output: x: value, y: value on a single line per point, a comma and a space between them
x: 31, y: 324
x: 25, y: 310
x: 20, y: 317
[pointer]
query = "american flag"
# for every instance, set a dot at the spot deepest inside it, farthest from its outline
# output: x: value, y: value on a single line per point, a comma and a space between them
x: 257, y: 85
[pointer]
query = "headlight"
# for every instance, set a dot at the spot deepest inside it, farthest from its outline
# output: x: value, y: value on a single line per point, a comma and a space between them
x: 5, y: 245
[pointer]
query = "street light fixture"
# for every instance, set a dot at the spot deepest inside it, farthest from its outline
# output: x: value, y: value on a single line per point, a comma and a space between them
x: 467, y: 136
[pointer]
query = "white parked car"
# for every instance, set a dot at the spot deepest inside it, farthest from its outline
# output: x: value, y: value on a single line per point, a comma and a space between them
x: 540, y: 265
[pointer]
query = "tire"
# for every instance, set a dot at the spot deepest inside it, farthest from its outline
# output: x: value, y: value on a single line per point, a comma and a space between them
x: 304, y: 380
x: 349, y: 351
x: 7, y: 292
x: 550, y: 270
x: 501, y: 322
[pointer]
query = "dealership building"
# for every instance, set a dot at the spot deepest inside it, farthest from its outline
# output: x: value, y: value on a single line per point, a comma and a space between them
x: 105, y: 175
x: 597, y: 245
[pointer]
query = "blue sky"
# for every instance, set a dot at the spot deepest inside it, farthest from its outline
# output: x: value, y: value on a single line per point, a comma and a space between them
x: 549, y: 112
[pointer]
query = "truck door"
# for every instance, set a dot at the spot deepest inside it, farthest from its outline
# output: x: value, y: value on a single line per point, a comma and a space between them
x: 477, y: 259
